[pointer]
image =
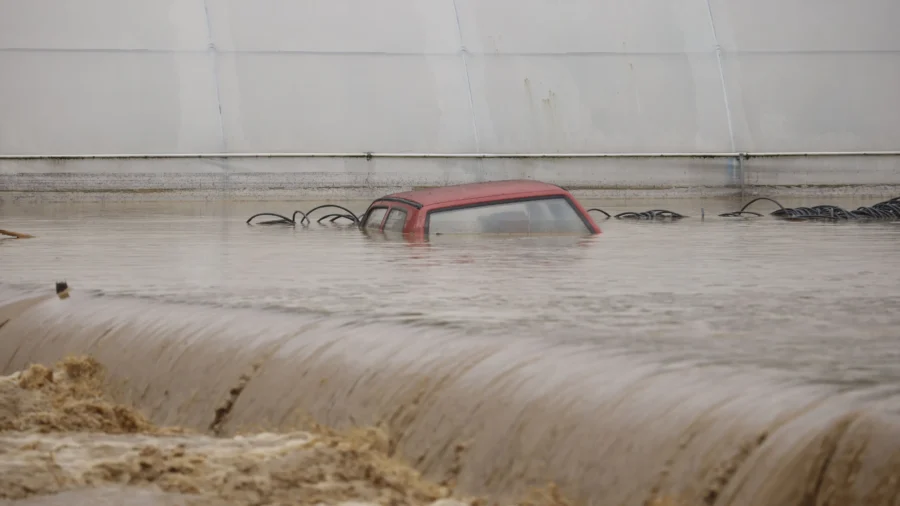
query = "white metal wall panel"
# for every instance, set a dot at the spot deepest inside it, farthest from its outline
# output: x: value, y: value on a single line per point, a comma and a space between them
x: 458, y: 76
x: 335, y: 26
x: 120, y: 25
x: 346, y: 103
x: 107, y: 102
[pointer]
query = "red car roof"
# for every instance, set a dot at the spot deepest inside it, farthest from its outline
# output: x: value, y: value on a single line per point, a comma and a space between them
x: 446, y: 194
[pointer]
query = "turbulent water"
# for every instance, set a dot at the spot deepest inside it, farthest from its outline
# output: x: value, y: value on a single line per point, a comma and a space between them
x: 710, y: 362
x: 64, y: 441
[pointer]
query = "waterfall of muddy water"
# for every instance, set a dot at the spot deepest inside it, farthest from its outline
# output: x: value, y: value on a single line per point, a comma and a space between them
x: 63, y: 441
x: 608, y: 428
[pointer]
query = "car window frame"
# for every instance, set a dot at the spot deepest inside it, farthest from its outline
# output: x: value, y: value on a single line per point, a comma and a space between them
x: 588, y: 228
x: 369, y: 213
x: 387, y: 215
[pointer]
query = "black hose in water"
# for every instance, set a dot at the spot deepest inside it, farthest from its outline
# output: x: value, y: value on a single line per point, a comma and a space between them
x: 304, y: 217
x: 887, y: 210
x: 653, y: 214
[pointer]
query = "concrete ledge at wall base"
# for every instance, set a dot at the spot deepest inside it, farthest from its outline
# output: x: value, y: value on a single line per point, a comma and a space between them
x: 880, y: 192
x: 336, y: 177
x: 149, y: 179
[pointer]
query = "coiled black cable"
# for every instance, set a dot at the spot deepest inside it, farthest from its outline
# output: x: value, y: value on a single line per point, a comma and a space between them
x: 653, y: 214
x: 744, y: 211
x: 305, y: 220
x: 887, y: 210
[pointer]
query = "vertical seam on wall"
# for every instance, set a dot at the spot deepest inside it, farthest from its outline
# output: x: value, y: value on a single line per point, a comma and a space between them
x: 712, y: 27
x: 738, y: 165
x: 468, y: 79
x: 211, y: 49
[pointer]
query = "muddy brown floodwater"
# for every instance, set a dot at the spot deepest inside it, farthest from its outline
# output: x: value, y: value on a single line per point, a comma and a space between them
x: 715, y: 362
x: 61, y: 436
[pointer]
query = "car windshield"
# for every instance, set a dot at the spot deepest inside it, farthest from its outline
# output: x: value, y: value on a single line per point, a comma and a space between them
x: 538, y: 216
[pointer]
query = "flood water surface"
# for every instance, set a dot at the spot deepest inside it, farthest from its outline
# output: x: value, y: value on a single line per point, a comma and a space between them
x: 715, y: 362
x: 818, y: 299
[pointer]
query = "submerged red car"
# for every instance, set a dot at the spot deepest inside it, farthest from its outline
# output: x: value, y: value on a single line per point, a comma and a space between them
x: 496, y: 207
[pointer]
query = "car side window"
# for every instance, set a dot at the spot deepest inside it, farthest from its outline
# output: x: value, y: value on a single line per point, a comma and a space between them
x: 540, y: 215
x: 395, y: 220
x: 373, y: 220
